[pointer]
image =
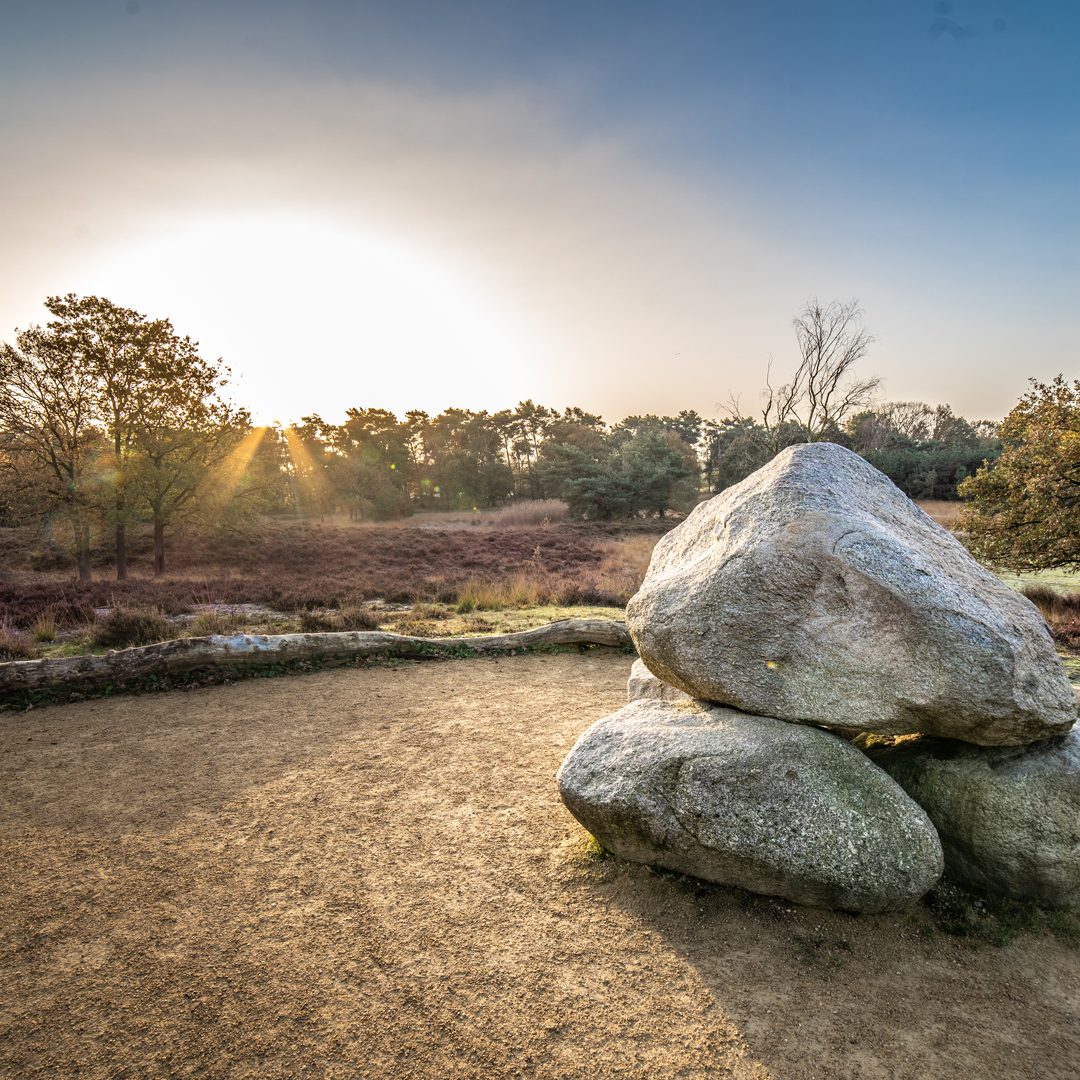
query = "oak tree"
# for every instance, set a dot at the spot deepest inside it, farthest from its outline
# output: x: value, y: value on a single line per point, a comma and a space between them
x: 1024, y: 509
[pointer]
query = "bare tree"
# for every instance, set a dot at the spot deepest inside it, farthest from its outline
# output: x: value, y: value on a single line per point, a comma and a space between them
x: 823, y: 390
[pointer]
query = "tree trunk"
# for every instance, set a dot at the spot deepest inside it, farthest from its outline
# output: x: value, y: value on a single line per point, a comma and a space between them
x: 121, y: 523
x: 121, y: 546
x: 231, y: 652
x: 82, y: 551
x: 159, y: 546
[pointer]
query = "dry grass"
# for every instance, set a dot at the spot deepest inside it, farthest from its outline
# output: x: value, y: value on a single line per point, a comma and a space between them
x: 625, y: 561
x: 124, y: 627
x: 525, y: 589
x: 521, y: 514
x: 945, y: 513
x: 438, y: 622
x: 350, y: 618
x: 1061, y: 611
x: 611, y: 582
x: 527, y: 512
x: 323, y: 577
x: 209, y: 623
x: 15, y: 644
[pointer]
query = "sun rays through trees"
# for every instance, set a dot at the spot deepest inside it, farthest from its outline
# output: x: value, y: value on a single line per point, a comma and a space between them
x: 112, y: 420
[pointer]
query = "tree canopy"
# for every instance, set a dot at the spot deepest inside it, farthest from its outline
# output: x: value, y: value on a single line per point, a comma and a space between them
x: 119, y: 412
x: 1024, y: 508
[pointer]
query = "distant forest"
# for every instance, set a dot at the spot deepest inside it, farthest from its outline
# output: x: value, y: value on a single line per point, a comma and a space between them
x: 108, y: 418
x: 376, y: 465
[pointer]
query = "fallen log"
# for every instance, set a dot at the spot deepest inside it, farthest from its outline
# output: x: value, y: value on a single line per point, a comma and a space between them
x: 222, y: 653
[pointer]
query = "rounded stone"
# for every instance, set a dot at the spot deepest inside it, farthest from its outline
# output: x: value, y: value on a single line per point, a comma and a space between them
x: 644, y: 685
x: 1008, y: 817
x: 771, y: 807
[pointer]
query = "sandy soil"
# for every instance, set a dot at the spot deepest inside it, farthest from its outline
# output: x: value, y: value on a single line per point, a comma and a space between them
x: 368, y: 872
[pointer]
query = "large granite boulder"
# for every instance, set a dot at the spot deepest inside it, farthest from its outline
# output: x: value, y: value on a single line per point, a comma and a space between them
x: 644, y: 685
x: 1008, y: 817
x: 816, y: 591
x: 767, y: 806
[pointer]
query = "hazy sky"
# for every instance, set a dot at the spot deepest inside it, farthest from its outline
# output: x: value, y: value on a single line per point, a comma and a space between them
x: 614, y: 205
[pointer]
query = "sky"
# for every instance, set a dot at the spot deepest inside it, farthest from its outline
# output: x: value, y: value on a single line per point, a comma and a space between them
x: 619, y: 206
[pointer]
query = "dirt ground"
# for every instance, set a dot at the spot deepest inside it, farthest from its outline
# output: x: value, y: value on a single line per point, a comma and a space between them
x: 368, y: 872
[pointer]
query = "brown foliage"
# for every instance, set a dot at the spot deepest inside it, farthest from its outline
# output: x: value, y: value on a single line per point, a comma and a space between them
x: 1061, y: 611
x: 124, y: 627
x: 351, y: 618
x: 294, y: 566
x: 15, y: 645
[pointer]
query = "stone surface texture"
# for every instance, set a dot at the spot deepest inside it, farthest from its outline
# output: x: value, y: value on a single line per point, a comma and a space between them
x: 1009, y: 818
x: 816, y: 591
x: 768, y: 806
x: 643, y: 685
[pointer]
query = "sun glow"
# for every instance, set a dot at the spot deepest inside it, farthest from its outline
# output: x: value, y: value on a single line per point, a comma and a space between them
x: 315, y: 317
x: 231, y: 471
x: 305, y: 473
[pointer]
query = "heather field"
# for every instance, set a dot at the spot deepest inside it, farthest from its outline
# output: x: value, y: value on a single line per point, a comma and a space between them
x: 283, y: 576
x: 427, y: 575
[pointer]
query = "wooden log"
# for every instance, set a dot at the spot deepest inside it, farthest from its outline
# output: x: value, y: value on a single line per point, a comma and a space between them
x: 222, y: 652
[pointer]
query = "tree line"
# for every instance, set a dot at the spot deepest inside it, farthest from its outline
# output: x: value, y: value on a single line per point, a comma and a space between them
x: 109, y: 418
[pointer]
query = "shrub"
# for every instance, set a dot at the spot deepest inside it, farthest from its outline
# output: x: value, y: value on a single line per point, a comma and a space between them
x: 353, y: 618
x: 14, y: 644
x: 209, y: 623
x: 289, y: 567
x: 1053, y: 604
x: 315, y: 622
x: 429, y: 611
x: 123, y: 627
x: 357, y: 618
x: 1061, y: 612
x: 1067, y: 633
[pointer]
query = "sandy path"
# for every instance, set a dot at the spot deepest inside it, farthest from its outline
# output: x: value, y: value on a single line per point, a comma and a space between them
x: 367, y: 872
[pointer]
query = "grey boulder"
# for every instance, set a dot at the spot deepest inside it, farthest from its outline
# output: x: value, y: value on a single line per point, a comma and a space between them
x: 749, y: 801
x: 816, y: 591
x: 643, y: 685
x: 1009, y: 818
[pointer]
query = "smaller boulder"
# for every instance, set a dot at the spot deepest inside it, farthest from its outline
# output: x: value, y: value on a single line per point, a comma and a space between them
x: 1009, y: 818
x: 645, y: 686
x: 771, y: 807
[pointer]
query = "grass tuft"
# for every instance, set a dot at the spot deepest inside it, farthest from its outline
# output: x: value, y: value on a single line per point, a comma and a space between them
x: 349, y: 618
x: 122, y: 628
x: 15, y: 645
x: 1061, y: 610
x: 210, y: 623
x: 528, y: 512
x: 996, y: 920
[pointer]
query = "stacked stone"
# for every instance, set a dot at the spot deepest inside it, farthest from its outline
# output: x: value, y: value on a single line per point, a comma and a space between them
x: 808, y: 605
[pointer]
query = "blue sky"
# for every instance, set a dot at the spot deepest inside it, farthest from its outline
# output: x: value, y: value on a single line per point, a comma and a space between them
x: 619, y: 205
